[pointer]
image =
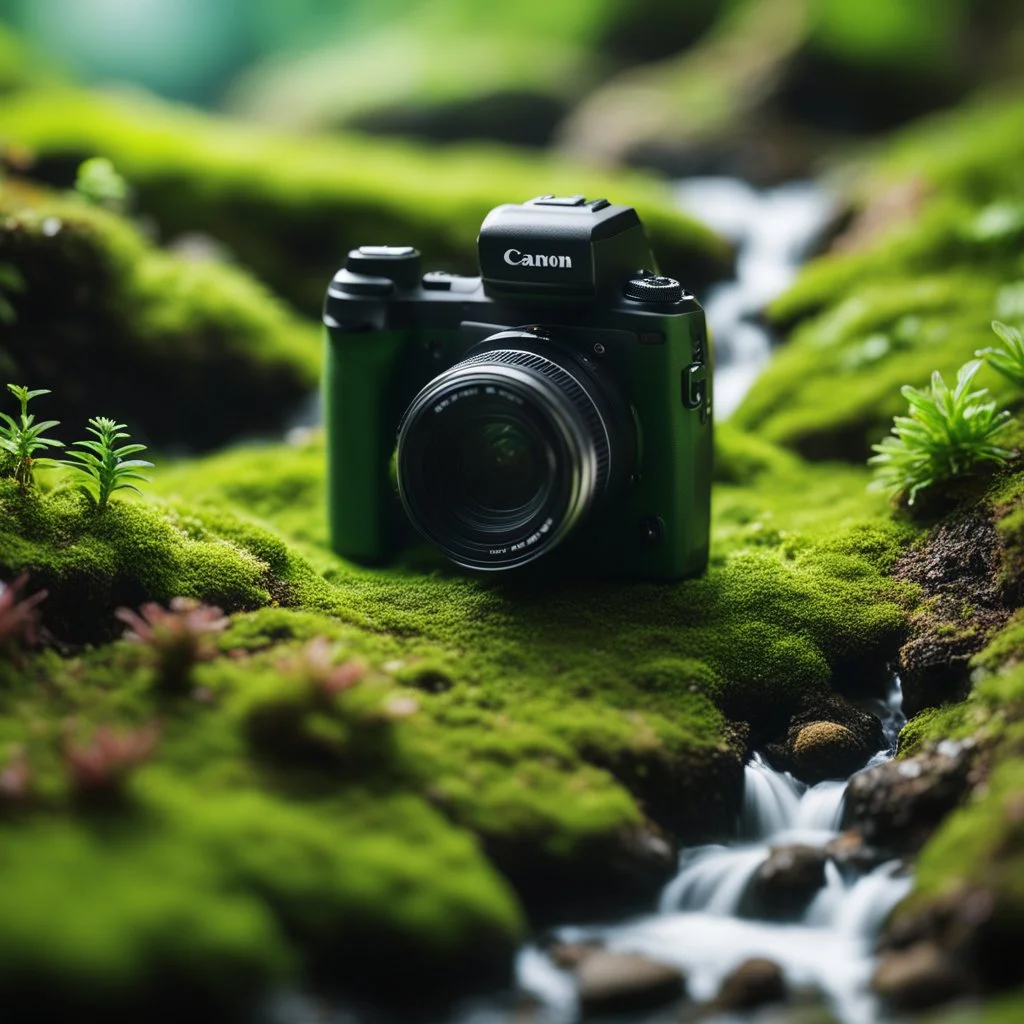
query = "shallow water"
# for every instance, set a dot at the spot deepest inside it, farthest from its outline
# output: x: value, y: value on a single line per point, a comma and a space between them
x: 774, y: 232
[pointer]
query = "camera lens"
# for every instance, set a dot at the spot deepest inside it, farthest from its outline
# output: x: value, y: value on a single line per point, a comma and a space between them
x: 503, y: 455
x: 500, y: 467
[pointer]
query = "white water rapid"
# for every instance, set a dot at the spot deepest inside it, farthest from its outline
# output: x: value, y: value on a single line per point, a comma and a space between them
x: 698, y: 926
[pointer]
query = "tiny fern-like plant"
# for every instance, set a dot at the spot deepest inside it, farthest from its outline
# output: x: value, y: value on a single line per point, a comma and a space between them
x: 106, y: 463
x: 22, y: 438
x: 1008, y: 360
x: 948, y: 432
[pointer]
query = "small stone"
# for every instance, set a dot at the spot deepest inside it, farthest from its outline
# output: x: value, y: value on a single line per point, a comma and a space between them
x: 569, y: 955
x: 917, y: 978
x: 622, y: 982
x: 786, y: 882
x: 753, y: 983
x: 826, y: 750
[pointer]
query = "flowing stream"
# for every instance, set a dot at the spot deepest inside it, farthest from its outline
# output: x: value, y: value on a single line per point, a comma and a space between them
x: 700, y: 925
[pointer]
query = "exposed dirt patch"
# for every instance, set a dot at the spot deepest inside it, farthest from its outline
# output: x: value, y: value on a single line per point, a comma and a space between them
x: 959, y: 568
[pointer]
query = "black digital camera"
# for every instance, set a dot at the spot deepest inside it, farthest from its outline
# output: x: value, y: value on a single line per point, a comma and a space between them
x: 557, y: 405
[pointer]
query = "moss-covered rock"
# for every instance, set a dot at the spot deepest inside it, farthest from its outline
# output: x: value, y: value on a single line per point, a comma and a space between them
x: 92, y: 562
x: 203, y: 900
x: 913, y: 291
x: 290, y: 206
x: 186, y: 352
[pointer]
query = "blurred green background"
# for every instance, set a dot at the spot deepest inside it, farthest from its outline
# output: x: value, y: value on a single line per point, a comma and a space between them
x: 759, y: 88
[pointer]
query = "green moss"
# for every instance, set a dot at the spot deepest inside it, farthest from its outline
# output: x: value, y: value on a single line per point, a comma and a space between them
x: 115, y: 326
x: 981, y: 843
x: 290, y: 206
x: 914, y: 298
x: 1006, y: 1009
x: 212, y: 896
x: 92, y: 562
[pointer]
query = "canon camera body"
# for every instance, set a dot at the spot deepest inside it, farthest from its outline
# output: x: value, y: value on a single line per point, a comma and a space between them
x: 556, y: 407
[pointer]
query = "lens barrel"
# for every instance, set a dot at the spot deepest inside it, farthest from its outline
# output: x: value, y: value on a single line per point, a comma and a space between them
x: 501, y: 456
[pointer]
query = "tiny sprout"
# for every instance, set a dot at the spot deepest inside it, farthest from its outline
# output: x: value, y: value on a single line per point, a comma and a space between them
x: 21, y: 438
x: 947, y: 433
x: 1009, y: 360
x: 99, y: 766
x: 99, y: 183
x: 179, y: 637
x: 104, y: 464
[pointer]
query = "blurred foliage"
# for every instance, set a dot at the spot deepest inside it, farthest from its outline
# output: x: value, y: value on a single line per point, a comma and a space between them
x: 290, y: 206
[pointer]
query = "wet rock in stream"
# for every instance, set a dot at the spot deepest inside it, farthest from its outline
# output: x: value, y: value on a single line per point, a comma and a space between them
x: 918, y: 978
x: 753, y: 983
x: 829, y: 739
x: 899, y: 804
x: 785, y: 883
x: 621, y: 982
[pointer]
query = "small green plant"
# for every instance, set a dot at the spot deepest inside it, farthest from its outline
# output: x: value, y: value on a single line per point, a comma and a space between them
x: 11, y: 281
x: 21, y: 438
x: 107, y: 465
x: 1009, y: 360
x: 947, y: 433
x: 99, y: 183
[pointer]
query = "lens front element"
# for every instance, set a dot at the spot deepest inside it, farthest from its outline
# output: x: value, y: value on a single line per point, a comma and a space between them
x: 502, y: 455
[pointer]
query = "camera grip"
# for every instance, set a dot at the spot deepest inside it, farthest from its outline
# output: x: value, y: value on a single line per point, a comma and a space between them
x: 360, y: 424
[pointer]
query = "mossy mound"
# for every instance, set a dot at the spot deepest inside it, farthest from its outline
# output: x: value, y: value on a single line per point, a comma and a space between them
x: 968, y: 898
x: 92, y: 562
x: 186, y: 352
x: 290, y: 206
x: 935, y: 260
x: 199, y: 901
x: 786, y: 607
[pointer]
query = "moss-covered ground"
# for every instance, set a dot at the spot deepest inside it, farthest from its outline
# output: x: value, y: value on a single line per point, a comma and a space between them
x: 503, y: 748
x: 366, y: 773
x: 934, y: 256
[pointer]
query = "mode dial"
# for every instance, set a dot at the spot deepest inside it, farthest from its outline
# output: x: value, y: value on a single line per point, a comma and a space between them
x: 654, y: 288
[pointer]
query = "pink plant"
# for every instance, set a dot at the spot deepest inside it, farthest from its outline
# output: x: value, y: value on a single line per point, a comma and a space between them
x: 316, y: 664
x: 99, y: 766
x: 179, y: 636
x: 19, y: 620
x: 16, y: 778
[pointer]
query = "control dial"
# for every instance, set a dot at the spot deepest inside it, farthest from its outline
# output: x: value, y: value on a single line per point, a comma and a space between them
x: 653, y: 288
